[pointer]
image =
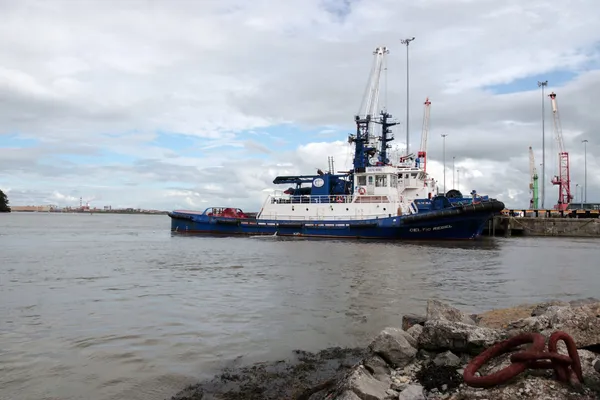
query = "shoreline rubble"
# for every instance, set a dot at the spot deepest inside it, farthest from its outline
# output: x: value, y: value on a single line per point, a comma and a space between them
x: 426, y: 360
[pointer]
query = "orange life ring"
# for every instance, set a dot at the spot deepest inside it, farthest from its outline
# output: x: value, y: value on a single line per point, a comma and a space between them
x: 361, y: 190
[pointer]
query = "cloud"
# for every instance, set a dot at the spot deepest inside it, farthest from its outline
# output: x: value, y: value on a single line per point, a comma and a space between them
x: 152, y: 105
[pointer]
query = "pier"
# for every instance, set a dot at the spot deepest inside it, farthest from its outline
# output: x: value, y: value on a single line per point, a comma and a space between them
x: 569, y: 223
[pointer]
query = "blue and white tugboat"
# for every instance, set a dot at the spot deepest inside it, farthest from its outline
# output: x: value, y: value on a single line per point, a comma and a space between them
x: 367, y: 202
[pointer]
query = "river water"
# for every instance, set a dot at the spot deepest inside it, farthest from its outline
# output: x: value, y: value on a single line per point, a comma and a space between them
x: 105, y: 307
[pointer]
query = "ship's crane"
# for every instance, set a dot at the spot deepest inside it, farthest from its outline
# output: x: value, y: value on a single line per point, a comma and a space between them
x: 365, y: 148
x: 533, y: 184
x: 422, y: 154
x: 563, y: 179
x: 370, y: 100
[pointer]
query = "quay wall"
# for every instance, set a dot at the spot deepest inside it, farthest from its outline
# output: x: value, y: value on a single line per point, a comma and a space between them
x: 504, y: 225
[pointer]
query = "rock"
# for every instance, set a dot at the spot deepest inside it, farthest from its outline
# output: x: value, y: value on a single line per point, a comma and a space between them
x: 597, y: 365
x: 412, y: 392
x: 582, y: 323
x: 377, y: 367
x: 425, y: 355
x: 589, y: 368
x: 458, y: 337
x: 415, y: 331
x: 395, y: 346
x: 398, y: 385
x: 538, y: 323
x: 541, y: 308
x: 365, y: 386
x: 392, y: 394
x: 347, y: 395
x: 447, y: 358
x: 438, y: 310
x: 531, y: 388
x: 409, y: 320
x: 581, y: 302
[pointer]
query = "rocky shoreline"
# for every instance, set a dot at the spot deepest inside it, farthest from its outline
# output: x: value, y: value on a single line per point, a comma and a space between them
x: 426, y: 359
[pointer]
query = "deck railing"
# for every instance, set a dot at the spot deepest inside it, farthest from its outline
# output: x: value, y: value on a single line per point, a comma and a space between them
x: 327, y: 199
x: 323, y: 217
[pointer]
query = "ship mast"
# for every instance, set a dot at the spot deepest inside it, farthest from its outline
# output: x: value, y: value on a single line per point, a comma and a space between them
x: 364, y: 118
x: 385, y: 138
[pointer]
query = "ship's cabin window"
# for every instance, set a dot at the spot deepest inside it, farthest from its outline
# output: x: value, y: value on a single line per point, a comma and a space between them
x: 362, y: 180
x: 405, y: 176
x: 370, y: 179
x: 380, y: 180
x: 393, y: 180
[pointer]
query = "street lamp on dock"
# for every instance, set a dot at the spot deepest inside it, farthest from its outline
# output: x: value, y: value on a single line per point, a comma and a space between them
x: 407, y: 42
x: 453, y: 182
x: 543, y: 85
x: 585, y: 141
x: 444, y: 158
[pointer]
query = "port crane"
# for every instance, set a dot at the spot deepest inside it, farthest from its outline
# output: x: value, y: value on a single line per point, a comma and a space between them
x: 563, y: 179
x: 533, y: 185
x: 422, y: 154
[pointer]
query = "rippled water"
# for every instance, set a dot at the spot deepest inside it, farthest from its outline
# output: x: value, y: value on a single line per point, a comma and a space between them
x: 110, y: 307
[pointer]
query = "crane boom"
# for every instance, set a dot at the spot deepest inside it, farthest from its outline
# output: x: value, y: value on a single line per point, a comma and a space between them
x: 533, y: 185
x: 563, y: 179
x: 370, y: 100
x: 364, y: 137
x: 422, y: 154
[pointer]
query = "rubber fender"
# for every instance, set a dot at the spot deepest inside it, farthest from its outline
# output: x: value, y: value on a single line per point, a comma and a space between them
x: 182, y: 217
x: 432, y: 215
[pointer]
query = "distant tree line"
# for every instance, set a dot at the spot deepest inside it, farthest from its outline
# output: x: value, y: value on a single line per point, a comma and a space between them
x: 4, y: 207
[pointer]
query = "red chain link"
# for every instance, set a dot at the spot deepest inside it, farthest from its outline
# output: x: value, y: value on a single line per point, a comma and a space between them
x: 534, y: 357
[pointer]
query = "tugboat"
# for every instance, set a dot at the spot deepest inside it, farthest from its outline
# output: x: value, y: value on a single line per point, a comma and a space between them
x: 366, y: 202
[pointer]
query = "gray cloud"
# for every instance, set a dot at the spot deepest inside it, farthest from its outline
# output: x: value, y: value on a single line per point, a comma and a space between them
x: 103, y: 76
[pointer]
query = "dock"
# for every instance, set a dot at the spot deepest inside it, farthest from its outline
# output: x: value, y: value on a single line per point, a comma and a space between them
x: 568, y: 223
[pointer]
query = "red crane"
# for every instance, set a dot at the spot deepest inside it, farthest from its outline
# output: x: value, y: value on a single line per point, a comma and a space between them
x: 422, y: 154
x: 563, y: 179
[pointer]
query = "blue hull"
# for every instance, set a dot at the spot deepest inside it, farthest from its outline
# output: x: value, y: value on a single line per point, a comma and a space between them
x: 449, y: 224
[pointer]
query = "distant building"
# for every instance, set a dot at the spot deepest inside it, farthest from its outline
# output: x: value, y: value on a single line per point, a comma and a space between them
x: 45, y: 208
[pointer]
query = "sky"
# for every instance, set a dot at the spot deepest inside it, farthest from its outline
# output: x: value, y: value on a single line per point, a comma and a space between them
x: 190, y: 104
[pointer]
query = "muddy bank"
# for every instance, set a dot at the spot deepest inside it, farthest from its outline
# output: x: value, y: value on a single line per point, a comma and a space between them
x: 283, y: 379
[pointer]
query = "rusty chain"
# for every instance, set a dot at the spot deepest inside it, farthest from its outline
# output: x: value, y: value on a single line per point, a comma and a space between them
x: 567, y: 369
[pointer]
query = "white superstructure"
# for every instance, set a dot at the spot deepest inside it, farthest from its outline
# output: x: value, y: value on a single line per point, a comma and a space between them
x: 414, y: 182
x: 376, y: 195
